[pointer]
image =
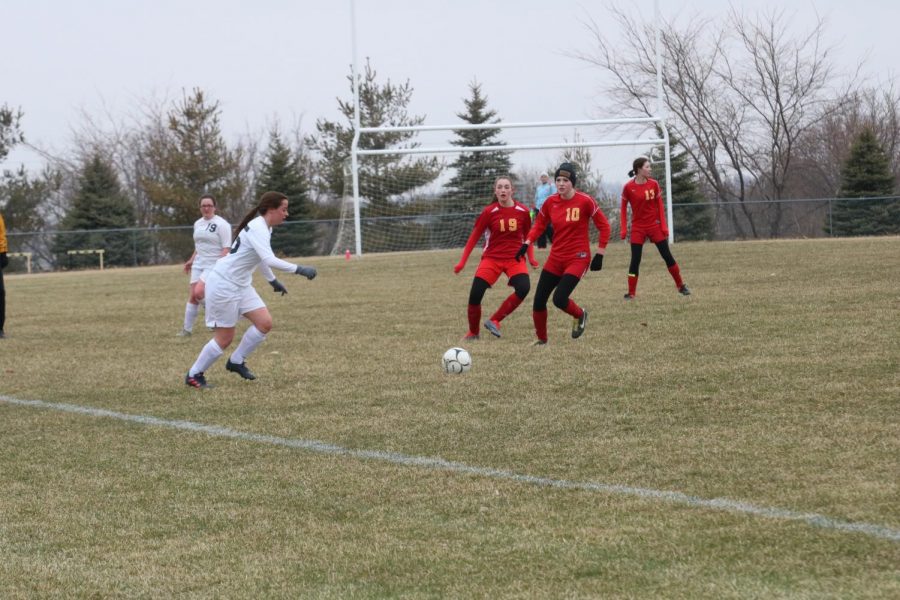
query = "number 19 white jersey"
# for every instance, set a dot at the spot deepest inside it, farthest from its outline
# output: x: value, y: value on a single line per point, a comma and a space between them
x: 210, y: 236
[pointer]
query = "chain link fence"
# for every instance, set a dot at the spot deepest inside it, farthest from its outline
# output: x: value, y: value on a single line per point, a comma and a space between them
x: 758, y: 219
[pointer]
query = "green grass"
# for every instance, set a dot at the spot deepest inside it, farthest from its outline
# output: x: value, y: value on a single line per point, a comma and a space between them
x: 776, y: 384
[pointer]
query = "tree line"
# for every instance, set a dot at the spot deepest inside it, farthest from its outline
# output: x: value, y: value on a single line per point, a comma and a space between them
x: 763, y: 115
x: 755, y: 113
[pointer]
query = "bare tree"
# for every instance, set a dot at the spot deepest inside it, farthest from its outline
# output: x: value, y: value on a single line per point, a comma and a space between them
x: 825, y: 148
x: 740, y: 94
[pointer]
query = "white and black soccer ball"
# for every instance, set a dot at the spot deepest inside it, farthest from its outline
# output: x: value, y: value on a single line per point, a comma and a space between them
x: 456, y: 360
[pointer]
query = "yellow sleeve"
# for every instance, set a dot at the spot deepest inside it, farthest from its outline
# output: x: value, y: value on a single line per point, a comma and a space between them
x: 2, y: 235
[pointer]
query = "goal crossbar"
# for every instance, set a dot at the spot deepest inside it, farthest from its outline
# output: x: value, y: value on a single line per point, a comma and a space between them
x: 448, y: 149
x: 356, y: 151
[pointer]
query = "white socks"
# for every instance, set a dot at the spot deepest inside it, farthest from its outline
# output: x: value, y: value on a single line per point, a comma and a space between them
x: 210, y: 354
x: 252, y: 338
x: 190, y: 315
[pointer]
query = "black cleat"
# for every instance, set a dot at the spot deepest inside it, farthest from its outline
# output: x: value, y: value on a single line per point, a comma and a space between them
x: 196, y: 381
x: 493, y: 327
x: 579, y: 325
x: 240, y: 369
x: 629, y: 297
x: 684, y: 291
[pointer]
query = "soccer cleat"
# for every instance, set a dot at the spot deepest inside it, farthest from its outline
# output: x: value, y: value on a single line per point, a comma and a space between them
x: 629, y: 297
x: 579, y: 325
x: 183, y: 333
x: 684, y: 291
x: 469, y: 337
x: 196, y: 381
x: 539, y: 343
x: 493, y: 327
x: 240, y: 369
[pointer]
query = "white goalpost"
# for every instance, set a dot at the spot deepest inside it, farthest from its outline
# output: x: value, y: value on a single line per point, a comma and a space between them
x: 384, y: 212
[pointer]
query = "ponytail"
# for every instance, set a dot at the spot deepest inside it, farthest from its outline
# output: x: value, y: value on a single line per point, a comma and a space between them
x: 639, y: 162
x: 267, y: 201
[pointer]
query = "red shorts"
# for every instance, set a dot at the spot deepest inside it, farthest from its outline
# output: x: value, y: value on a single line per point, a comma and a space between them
x: 575, y: 265
x: 490, y: 269
x: 640, y: 234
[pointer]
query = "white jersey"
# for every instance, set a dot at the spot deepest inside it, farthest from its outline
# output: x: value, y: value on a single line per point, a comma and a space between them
x: 252, y: 248
x: 210, y: 237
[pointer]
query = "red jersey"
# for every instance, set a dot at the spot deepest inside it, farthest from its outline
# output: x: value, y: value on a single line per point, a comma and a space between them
x: 647, y: 207
x: 506, y: 230
x: 570, y: 218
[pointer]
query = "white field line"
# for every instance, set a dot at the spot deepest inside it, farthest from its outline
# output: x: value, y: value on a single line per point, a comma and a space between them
x: 439, y: 464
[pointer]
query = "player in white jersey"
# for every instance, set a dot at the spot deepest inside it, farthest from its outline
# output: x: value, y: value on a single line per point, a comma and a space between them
x: 212, y: 238
x: 230, y: 293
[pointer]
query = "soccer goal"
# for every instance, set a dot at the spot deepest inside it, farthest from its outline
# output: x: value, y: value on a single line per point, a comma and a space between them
x: 421, y: 187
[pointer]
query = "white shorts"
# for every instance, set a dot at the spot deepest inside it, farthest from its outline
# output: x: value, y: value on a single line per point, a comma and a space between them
x: 198, y: 268
x: 226, y: 302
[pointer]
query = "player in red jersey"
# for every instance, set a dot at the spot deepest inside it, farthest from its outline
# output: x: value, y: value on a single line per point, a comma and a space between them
x: 648, y: 220
x: 506, y: 222
x: 570, y: 212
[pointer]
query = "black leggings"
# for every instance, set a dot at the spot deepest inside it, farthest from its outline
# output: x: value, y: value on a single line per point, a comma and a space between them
x: 521, y: 283
x: 564, y: 286
x: 637, y: 249
x: 2, y: 302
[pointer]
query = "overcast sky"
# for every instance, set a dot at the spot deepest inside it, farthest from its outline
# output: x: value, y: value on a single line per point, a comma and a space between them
x: 288, y: 59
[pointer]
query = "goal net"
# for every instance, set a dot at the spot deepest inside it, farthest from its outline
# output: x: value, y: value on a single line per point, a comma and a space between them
x: 427, y: 195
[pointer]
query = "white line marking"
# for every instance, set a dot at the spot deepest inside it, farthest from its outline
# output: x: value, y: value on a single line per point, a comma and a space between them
x: 439, y: 464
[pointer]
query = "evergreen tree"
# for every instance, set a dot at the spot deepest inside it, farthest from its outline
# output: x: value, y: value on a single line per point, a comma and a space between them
x: 100, y: 204
x: 380, y: 177
x: 475, y: 173
x: 866, y: 174
x: 189, y: 158
x: 383, y: 179
x: 692, y: 215
x: 282, y: 170
x: 21, y: 197
x: 10, y: 130
x: 24, y: 201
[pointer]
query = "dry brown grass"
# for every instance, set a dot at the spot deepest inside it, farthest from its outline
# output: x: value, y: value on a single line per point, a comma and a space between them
x: 775, y: 384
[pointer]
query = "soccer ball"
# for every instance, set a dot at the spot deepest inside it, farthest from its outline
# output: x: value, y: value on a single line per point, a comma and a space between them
x: 456, y: 360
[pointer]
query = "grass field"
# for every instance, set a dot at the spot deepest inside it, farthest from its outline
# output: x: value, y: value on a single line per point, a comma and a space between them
x: 743, y: 442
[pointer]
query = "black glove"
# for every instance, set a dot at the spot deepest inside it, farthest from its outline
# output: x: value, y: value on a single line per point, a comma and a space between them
x: 522, y: 251
x: 308, y: 272
x: 4, y: 261
x: 597, y: 263
x: 278, y: 287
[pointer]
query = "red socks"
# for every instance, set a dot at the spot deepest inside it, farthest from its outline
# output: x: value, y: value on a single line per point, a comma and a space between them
x: 573, y: 309
x: 474, y: 313
x: 509, y: 305
x: 540, y: 324
x: 675, y: 272
x: 632, y: 285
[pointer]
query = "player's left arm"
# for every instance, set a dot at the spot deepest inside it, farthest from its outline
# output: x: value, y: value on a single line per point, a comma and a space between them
x: 662, y: 211
x: 603, y: 226
x: 224, y: 233
x: 527, y: 228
